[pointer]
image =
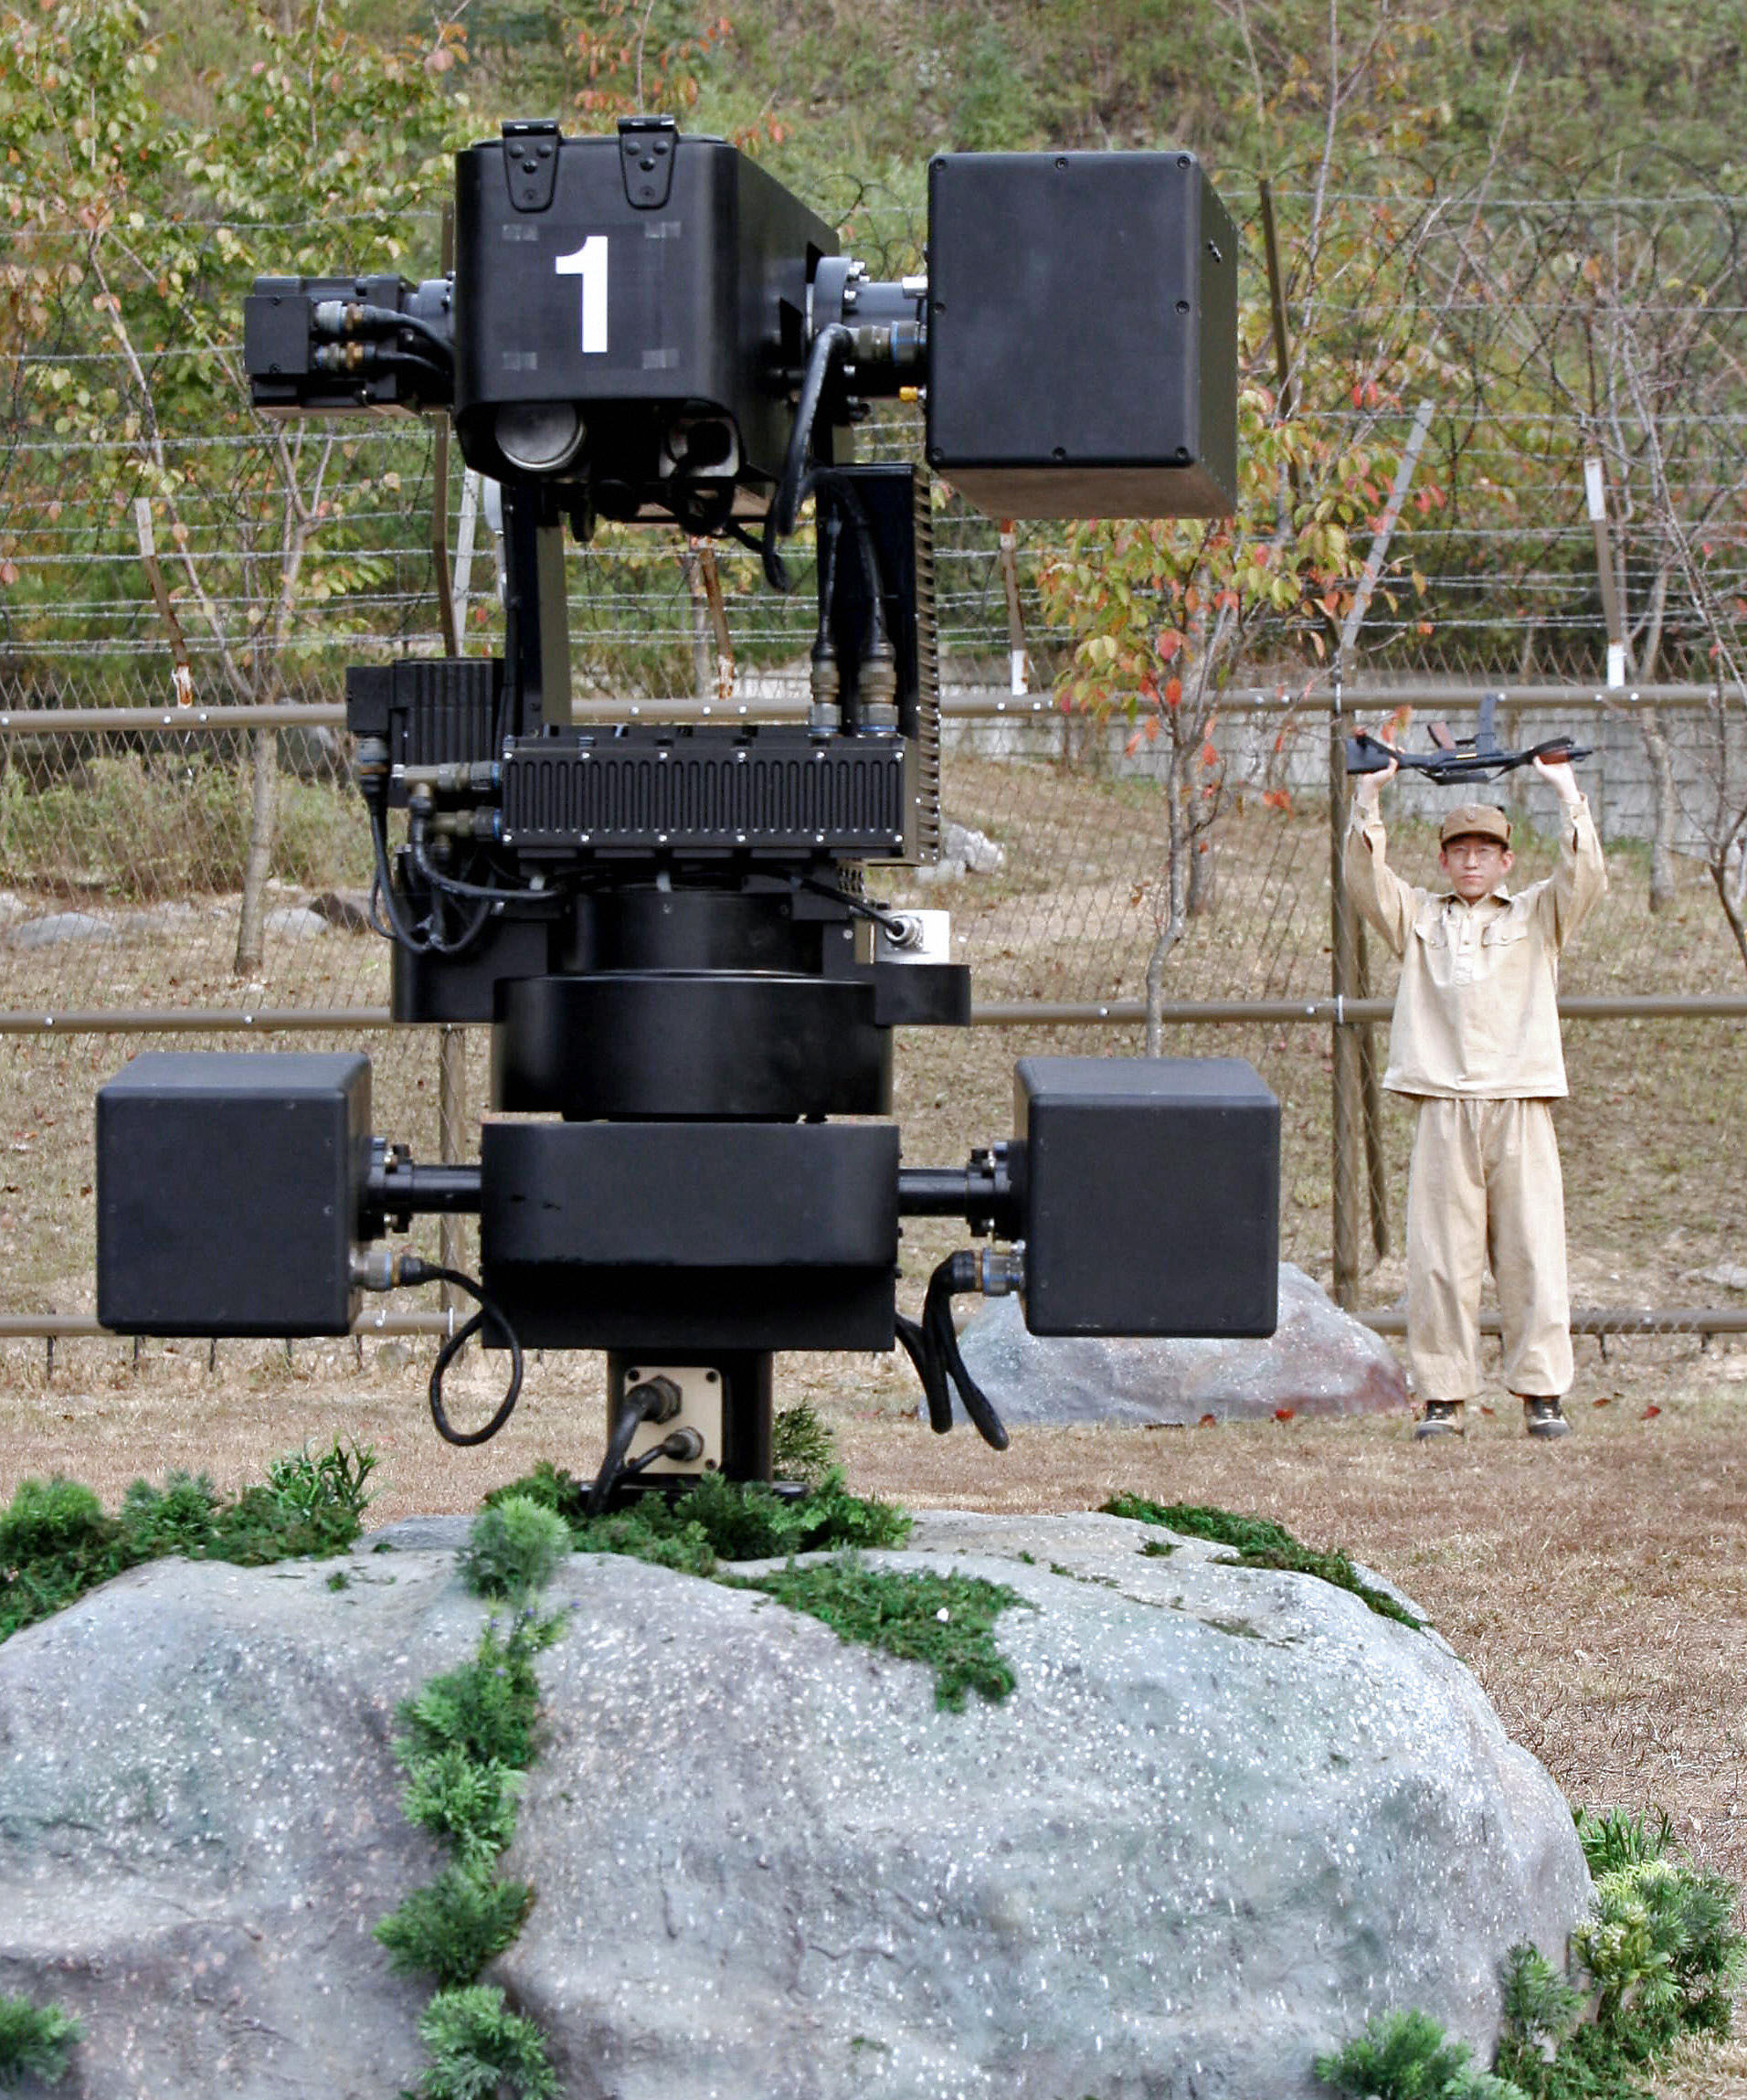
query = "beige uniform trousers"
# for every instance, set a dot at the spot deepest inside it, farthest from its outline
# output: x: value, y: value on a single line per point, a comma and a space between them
x: 1484, y: 1186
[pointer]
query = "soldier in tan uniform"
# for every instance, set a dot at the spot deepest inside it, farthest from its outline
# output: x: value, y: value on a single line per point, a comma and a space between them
x: 1475, y: 1041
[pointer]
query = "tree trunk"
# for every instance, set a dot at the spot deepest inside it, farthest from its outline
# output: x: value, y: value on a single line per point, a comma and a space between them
x: 1177, y: 904
x: 1720, y: 874
x: 703, y: 634
x: 1664, y: 809
x: 1204, y: 877
x: 264, y: 803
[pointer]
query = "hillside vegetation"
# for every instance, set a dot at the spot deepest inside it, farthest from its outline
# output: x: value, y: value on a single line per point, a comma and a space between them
x: 1560, y: 86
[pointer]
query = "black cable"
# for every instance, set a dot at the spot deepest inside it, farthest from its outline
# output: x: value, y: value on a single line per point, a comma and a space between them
x: 861, y: 906
x: 959, y: 1272
x: 633, y: 1412
x: 785, y: 505
x: 389, y: 319
x: 490, y: 893
x: 427, y: 938
x: 418, y: 943
x: 668, y: 1448
x: 928, y: 1370
x: 413, y: 1270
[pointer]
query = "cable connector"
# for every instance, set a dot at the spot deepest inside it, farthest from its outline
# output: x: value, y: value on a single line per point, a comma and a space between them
x: 381, y: 1269
x: 1003, y: 1271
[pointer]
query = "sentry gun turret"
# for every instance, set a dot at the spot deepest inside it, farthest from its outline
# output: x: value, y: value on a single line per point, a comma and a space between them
x: 669, y: 928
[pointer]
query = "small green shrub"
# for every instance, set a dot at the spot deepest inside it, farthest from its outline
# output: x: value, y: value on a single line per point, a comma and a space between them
x: 49, y: 1517
x: 1258, y: 1543
x: 181, y: 1517
x: 551, y: 1486
x: 945, y: 1621
x: 1662, y: 1951
x: 471, y: 1806
x: 514, y: 1547
x: 36, y: 2042
x: 1612, y: 1839
x: 56, y: 1542
x: 1658, y: 1956
x: 1545, y: 2050
x: 651, y: 1532
x: 1408, y: 2056
x: 486, y: 1710
x: 801, y: 1447
x: 452, y: 1928
x: 479, y: 2050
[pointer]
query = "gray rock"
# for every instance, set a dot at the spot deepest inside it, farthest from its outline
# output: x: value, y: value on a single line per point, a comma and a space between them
x: 13, y: 908
x: 1319, y: 1360
x: 59, y: 928
x: 1224, y: 1816
x: 1726, y: 1275
x: 296, y: 922
x: 963, y: 851
x: 349, y: 909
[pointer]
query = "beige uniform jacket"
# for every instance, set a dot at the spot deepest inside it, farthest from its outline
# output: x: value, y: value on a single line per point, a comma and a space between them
x: 1477, y: 1015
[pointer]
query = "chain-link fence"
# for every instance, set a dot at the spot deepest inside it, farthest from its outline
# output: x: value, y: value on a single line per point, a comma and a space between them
x: 120, y: 857
x: 1549, y: 334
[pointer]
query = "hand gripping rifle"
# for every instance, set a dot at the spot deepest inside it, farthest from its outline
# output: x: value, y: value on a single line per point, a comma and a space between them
x: 1454, y: 759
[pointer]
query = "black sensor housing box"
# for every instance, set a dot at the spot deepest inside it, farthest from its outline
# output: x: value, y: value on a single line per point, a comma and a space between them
x: 1082, y: 335
x: 640, y: 301
x: 1152, y: 1196
x: 229, y: 1187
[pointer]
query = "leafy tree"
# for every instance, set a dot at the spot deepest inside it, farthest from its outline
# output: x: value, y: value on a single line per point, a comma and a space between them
x: 154, y: 227
x: 1164, y: 612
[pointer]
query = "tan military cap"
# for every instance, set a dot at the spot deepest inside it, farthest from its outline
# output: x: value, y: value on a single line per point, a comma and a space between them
x: 1475, y: 821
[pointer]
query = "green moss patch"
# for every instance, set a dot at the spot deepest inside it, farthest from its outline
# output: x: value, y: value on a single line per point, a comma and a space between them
x: 57, y: 1543
x: 1257, y: 1543
x: 718, y: 1521
x: 945, y: 1621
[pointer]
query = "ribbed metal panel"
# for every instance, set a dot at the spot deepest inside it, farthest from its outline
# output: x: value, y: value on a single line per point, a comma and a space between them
x: 726, y: 791
x: 927, y: 774
x: 446, y: 710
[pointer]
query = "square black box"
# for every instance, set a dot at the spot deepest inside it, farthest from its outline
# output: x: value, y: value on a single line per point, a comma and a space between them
x: 228, y: 1187
x: 1152, y: 1196
x: 1082, y: 335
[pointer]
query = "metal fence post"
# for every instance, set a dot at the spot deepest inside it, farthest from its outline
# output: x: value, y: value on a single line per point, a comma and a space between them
x: 1345, y: 1083
x: 451, y: 1114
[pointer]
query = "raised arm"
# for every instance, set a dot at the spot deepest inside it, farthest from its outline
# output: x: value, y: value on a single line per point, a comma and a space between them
x: 1379, y: 893
x: 1581, y: 878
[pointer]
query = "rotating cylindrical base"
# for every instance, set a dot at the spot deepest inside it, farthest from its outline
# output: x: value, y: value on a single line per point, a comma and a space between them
x: 664, y: 1046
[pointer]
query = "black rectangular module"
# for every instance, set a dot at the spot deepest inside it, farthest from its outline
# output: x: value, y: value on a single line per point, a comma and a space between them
x: 229, y: 1189
x: 1082, y: 335
x: 725, y: 1235
x: 429, y: 710
x: 589, y: 287
x: 709, y: 790
x: 1152, y: 1196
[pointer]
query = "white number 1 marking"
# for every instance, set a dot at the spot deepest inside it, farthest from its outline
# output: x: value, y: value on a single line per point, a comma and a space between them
x: 590, y: 264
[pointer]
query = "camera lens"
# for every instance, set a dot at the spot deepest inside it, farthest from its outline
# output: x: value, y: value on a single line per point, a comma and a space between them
x: 540, y: 437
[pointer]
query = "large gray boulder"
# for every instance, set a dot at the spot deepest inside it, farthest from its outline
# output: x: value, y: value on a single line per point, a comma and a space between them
x: 1318, y: 1360
x: 1224, y: 1816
